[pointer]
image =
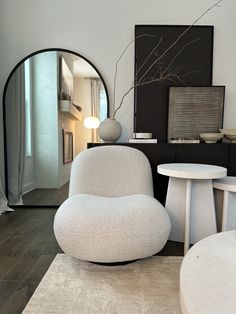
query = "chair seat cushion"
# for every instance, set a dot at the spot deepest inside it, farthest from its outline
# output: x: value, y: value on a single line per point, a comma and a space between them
x: 111, y: 229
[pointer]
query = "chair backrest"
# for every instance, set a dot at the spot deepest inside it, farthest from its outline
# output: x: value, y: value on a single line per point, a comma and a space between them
x: 112, y: 171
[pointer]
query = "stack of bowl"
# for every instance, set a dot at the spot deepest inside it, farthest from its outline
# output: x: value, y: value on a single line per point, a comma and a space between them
x: 211, y: 137
x: 230, y: 134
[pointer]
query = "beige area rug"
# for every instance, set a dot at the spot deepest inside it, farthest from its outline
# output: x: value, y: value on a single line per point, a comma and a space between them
x: 149, y: 285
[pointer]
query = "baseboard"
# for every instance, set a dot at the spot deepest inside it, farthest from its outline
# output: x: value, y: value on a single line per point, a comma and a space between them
x: 29, y: 186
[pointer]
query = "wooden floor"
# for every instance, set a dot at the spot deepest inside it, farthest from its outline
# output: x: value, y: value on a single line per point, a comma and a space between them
x: 27, y: 248
x: 46, y: 197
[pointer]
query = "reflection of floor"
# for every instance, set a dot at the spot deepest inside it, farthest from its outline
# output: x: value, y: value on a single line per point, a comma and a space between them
x: 46, y: 196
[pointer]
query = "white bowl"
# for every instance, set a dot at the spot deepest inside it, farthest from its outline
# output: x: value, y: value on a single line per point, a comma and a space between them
x: 228, y: 131
x: 231, y: 137
x: 211, y: 137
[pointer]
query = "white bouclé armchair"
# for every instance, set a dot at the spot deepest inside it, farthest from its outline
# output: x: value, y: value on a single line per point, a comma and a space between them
x: 111, y: 214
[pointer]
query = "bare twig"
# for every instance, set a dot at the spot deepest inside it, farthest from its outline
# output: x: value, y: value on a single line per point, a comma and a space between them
x: 180, y: 36
x: 121, y: 102
x: 168, y: 77
x: 148, y: 57
x: 179, y: 52
x: 123, y: 52
x: 162, y: 73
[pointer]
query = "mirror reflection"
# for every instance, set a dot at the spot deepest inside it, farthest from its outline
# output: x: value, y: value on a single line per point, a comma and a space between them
x: 47, y: 99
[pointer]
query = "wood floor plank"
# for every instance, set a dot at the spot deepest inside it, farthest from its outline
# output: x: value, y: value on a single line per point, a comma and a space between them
x: 17, y: 300
x: 9, y: 247
x: 21, y: 269
x: 39, y: 269
x: 6, y: 289
x: 25, y: 234
x: 6, y: 263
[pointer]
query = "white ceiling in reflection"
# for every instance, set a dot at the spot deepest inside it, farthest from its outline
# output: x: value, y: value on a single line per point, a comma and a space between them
x: 82, y: 68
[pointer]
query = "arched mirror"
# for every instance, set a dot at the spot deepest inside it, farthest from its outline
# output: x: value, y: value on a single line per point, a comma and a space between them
x: 46, y: 100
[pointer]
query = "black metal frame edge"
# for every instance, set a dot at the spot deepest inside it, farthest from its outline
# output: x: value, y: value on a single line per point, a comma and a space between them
x: 4, y: 113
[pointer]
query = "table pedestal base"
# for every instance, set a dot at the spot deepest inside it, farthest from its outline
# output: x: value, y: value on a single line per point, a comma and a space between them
x: 225, y: 202
x: 201, y: 220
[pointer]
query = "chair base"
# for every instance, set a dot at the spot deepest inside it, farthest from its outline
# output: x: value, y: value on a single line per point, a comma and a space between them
x: 116, y: 263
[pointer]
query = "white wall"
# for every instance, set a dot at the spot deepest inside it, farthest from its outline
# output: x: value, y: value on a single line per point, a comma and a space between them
x: 45, y: 120
x: 29, y: 178
x: 82, y: 97
x: 67, y: 124
x: 48, y: 123
x: 100, y: 30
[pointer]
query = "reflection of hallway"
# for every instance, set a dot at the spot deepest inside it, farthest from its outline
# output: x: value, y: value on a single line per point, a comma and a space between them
x: 46, y: 196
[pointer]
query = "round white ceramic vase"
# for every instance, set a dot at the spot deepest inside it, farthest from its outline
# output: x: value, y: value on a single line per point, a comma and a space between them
x: 110, y: 130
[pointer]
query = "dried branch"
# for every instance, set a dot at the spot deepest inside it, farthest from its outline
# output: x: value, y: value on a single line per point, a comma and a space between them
x: 118, y: 60
x: 162, y: 73
x: 179, y: 52
x: 173, y: 77
x: 148, y: 57
x: 178, y: 38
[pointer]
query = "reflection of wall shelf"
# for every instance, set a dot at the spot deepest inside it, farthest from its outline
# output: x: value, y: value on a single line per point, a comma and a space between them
x: 66, y: 107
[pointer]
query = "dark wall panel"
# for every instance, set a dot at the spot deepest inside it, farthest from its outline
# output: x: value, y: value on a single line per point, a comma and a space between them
x: 212, y: 154
x: 232, y: 160
x: 190, y: 59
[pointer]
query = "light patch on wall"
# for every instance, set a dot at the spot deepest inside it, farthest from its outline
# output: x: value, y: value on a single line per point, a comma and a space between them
x: 83, y: 69
x: 67, y: 78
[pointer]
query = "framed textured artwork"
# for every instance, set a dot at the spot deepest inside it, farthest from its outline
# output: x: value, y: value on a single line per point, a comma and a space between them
x: 195, y: 110
x: 67, y: 146
x: 167, y: 55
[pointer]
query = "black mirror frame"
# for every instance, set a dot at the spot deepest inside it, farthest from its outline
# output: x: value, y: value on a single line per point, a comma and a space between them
x: 4, y: 113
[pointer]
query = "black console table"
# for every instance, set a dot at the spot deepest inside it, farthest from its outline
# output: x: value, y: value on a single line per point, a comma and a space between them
x: 214, y: 154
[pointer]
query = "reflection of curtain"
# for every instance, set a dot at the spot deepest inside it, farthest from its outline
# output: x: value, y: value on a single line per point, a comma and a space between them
x: 15, y: 127
x: 95, y: 103
x: 3, y: 201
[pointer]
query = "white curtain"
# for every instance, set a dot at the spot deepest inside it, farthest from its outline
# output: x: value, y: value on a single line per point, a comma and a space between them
x: 95, y: 103
x: 15, y: 133
x: 3, y: 201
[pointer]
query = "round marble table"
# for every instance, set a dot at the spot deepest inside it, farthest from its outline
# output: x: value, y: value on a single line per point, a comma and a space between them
x: 208, y: 276
x: 190, y: 200
x: 225, y: 200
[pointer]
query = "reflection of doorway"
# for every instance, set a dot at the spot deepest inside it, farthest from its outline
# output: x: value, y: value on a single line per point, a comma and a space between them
x: 43, y: 175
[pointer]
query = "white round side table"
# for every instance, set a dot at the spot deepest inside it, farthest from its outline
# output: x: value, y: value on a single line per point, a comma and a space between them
x: 225, y: 200
x: 208, y: 276
x: 190, y: 200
